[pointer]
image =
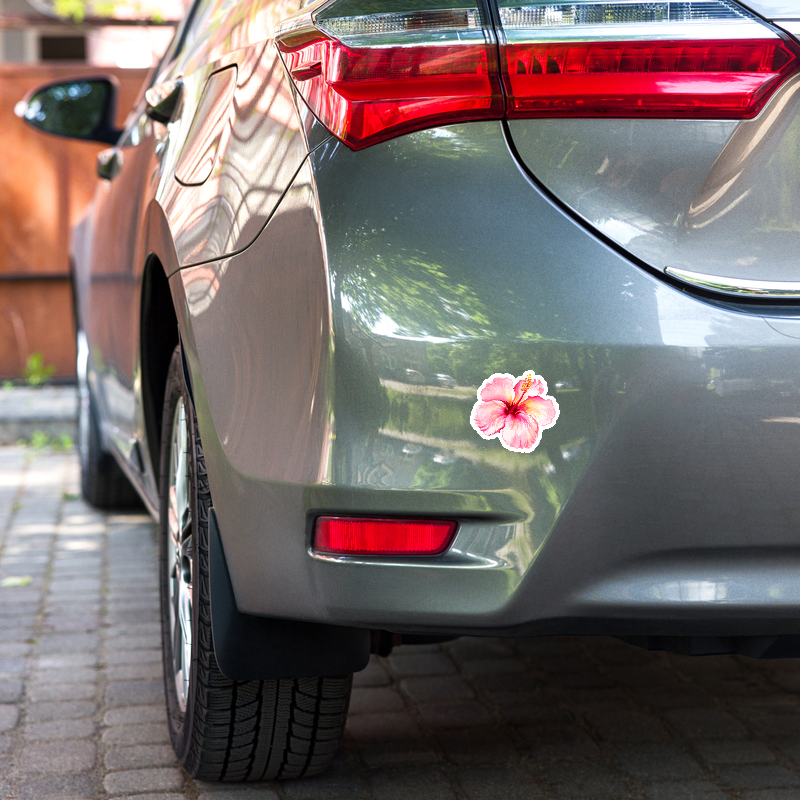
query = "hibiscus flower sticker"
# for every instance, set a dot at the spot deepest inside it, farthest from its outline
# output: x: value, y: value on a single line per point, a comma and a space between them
x: 515, y: 410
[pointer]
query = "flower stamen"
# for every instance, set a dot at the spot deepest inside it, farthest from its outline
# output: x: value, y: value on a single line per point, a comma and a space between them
x: 527, y: 382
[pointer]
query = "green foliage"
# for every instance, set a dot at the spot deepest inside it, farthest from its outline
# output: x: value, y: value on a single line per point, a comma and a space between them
x: 36, y: 372
x: 78, y: 10
x: 16, y: 580
x: 40, y: 440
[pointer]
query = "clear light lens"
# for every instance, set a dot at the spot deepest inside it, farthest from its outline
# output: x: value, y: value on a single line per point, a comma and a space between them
x: 452, y: 19
x: 584, y: 14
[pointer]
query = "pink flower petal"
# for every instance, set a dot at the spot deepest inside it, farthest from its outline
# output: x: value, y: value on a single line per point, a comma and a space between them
x: 489, y: 417
x: 521, y: 432
x: 538, y: 386
x: 498, y: 387
x: 543, y: 409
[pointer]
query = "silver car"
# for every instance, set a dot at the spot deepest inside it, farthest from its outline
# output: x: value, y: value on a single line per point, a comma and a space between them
x: 409, y: 319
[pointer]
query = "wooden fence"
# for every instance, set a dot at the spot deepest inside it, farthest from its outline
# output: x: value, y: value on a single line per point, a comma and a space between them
x: 45, y: 184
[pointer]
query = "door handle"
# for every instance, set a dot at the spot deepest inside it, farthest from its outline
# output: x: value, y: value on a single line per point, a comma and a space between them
x: 162, y: 100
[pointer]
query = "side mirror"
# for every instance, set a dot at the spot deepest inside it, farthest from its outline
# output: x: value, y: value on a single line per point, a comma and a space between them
x: 78, y: 109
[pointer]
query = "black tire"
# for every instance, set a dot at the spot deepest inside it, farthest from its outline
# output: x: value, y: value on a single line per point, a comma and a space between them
x: 103, y: 483
x: 225, y: 730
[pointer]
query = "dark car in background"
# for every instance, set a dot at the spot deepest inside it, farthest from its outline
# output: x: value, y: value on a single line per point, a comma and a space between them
x: 336, y: 257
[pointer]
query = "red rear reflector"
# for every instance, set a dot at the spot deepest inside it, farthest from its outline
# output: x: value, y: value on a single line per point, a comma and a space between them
x: 365, y: 95
x: 386, y: 537
x: 708, y: 79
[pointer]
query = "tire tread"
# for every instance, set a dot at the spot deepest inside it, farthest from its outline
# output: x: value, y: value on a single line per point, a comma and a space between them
x: 250, y: 730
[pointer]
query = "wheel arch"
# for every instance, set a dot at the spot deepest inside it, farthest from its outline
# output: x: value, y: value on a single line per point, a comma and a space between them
x: 159, y: 336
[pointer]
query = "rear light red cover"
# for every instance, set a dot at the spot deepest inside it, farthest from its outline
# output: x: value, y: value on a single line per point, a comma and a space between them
x: 708, y: 79
x: 365, y: 95
x: 373, y: 537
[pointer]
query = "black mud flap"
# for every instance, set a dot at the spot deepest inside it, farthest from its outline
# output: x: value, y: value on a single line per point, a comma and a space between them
x: 258, y: 648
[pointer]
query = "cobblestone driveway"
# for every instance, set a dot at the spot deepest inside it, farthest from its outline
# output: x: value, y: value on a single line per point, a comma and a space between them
x: 81, y: 705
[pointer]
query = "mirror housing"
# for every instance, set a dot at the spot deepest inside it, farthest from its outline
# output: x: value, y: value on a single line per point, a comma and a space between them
x: 109, y: 163
x: 81, y: 108
x: 162, y: 100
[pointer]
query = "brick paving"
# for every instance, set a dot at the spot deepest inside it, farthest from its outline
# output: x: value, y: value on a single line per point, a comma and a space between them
x: 81, y: 697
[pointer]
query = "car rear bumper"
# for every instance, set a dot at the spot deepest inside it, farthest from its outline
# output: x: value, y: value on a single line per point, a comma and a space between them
x: 664, y: 500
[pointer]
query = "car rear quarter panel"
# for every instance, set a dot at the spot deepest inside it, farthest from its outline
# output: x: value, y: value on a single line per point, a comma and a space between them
x: 663, y: 498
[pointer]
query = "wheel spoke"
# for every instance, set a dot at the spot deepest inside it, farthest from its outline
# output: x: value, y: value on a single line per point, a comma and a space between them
x: 179, y: 523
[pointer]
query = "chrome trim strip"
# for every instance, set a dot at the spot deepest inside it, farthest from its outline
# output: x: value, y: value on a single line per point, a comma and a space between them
x: 737, y: 286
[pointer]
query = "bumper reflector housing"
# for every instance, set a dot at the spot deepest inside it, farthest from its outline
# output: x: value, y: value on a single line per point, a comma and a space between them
x: 360, y: 536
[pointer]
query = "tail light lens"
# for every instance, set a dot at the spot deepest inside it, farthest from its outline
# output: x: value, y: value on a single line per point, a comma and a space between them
x: 382, y: 537
x: 370, y: 77
x: 708, y: 59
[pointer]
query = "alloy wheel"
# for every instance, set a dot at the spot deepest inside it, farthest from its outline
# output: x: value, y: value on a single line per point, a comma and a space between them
x: 179, y: 579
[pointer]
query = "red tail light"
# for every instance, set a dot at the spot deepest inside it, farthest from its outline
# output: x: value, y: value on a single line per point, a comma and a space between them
x: 365, y: 95
x: 370, y: 77
x: 709, y: 79
x: 384, y: 537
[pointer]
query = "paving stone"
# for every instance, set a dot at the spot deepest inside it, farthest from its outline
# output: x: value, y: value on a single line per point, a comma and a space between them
x: 394, y: 754
x: 38, y: 692
x: 143, y: 780
x: 135, y: 715
x: 127, y: 672
x: 65, y: 674
x: 464, y: 714
x: 10, y: 691
x: 411, y: 663
x: 735, y: 752
x: 150, y: 733
x: 626, y: 726
x: 237, y: 794
x: 132, y: 643
x: 68, y: 643
x: 59, y: 758
x: 581, y: 781
x: 558, y: 743
x: 477, y: 746
x: 65, y: 661
x: 332, y: 784
x: 139, y: 756
x: 6, y: 743
x: 375, y: 700
x: 57, y: 787
x: 534, y: 714
x: 43, y: 712
x: 494, y: 666
x: 115, y: 657
x: 382, y: 727
x: 150, y: 796
x: 706, y: 724
x: 658, y: 762
x: 9, y: 716
x: 12, y: 666
x: 436, y: 689
x: 60, y: 729
x: 758, y: 777
x: 692, y: 790
x: 429, y: 783
x: 507, y: 783
x: 127, y: 693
